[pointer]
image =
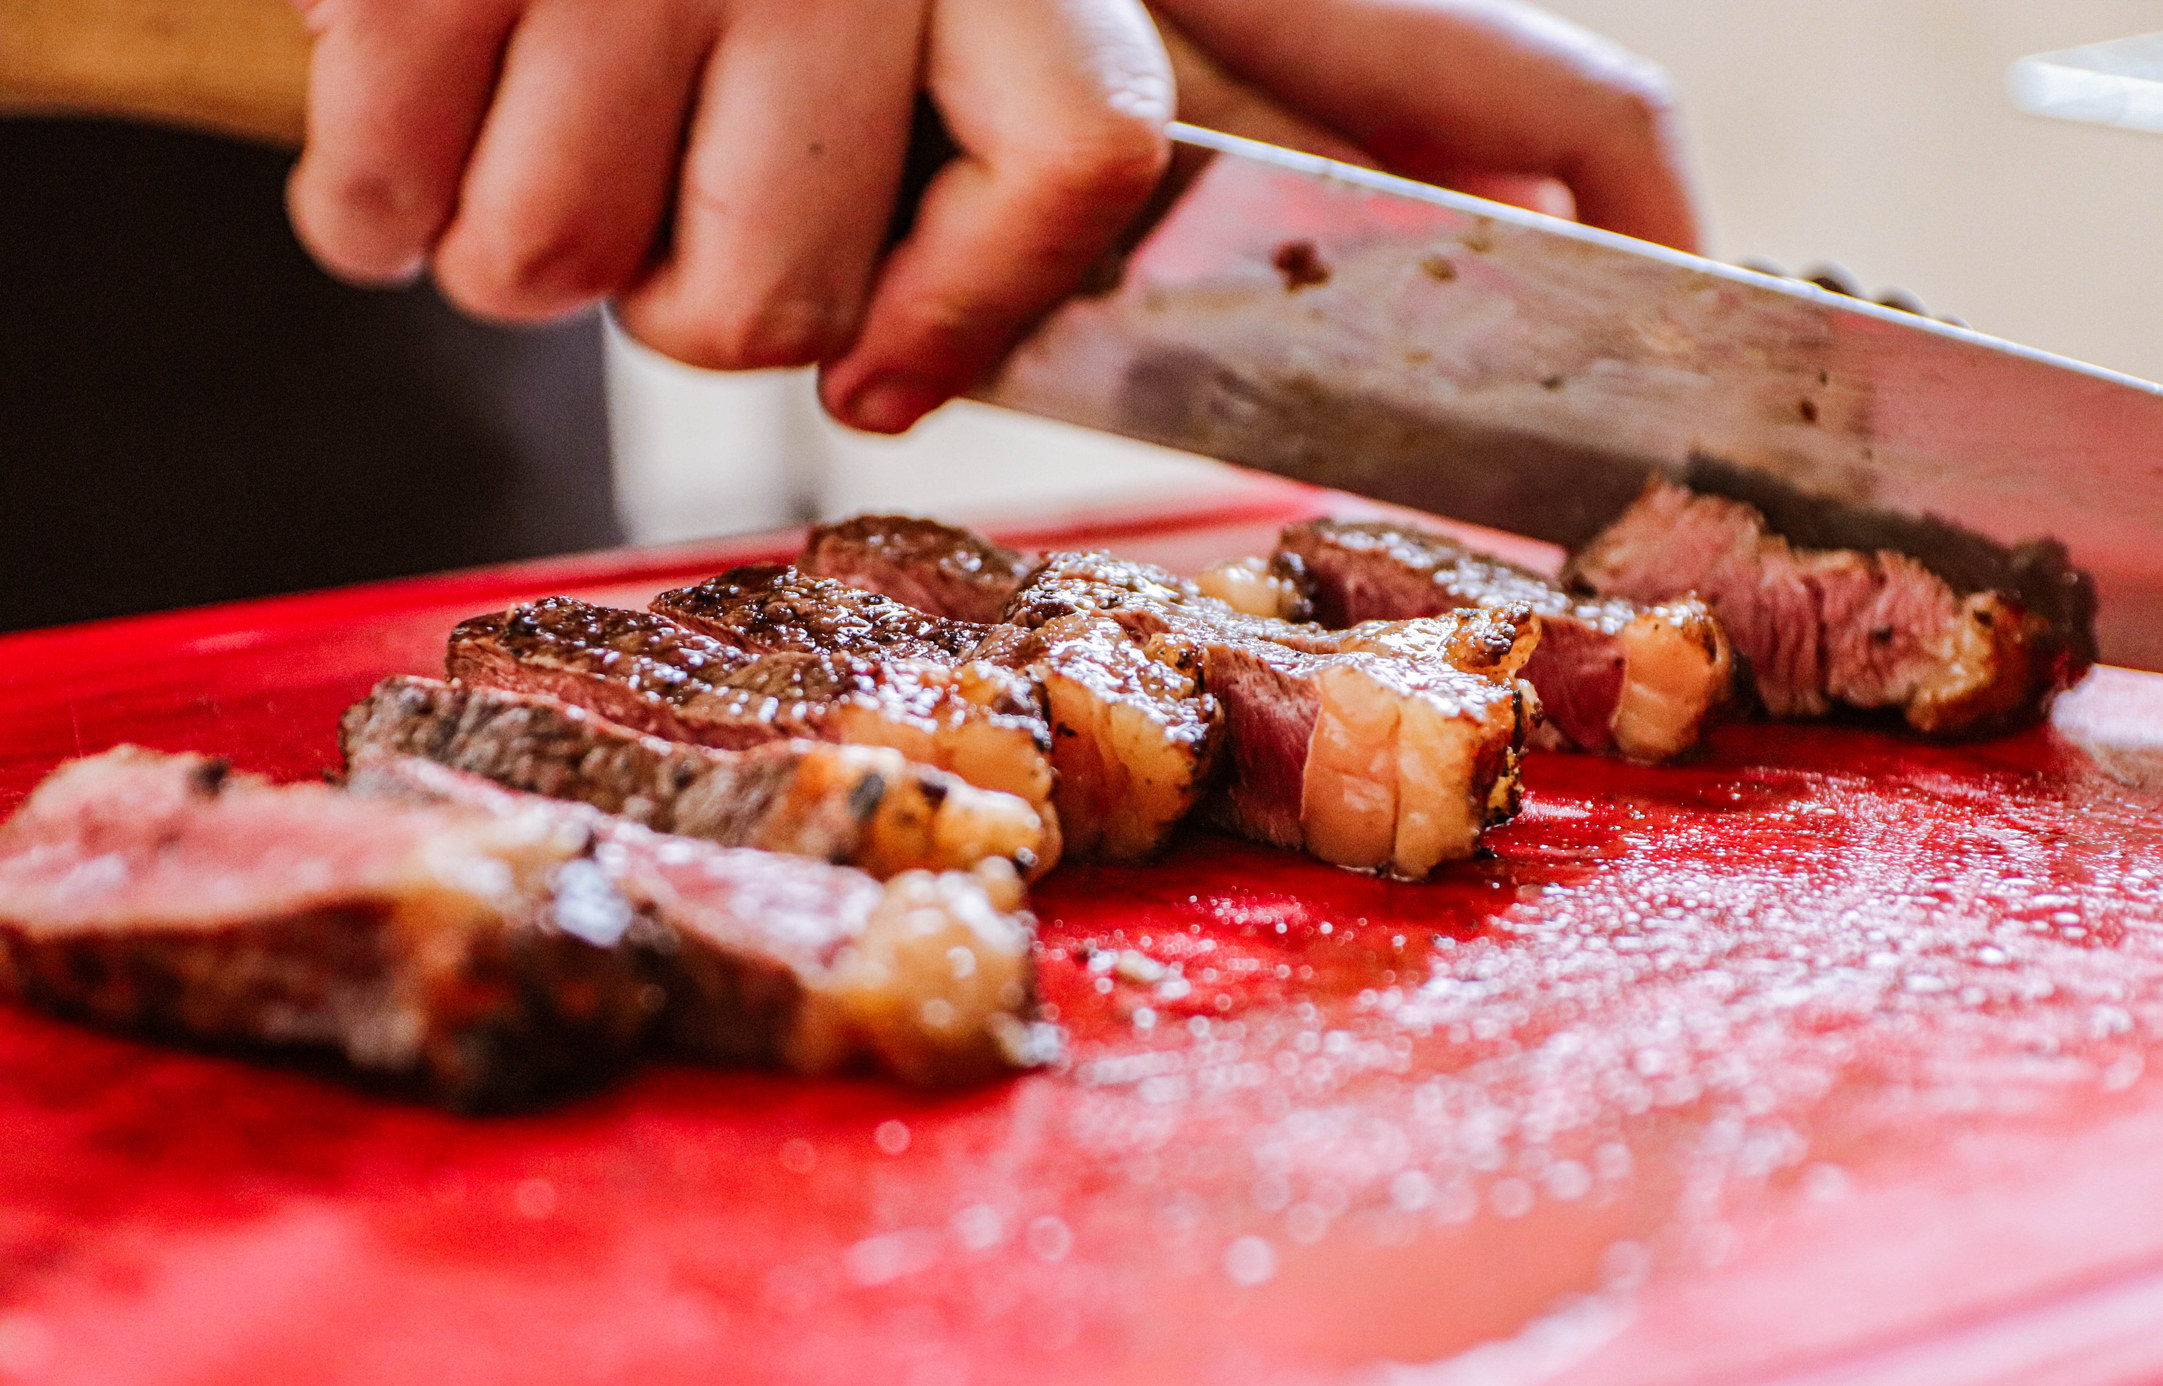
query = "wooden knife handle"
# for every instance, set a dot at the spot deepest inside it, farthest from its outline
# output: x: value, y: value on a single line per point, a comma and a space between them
x: 238, y: 67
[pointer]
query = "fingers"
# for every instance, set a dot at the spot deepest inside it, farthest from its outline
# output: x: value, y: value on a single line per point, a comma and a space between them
x: 574, y: 165
x: 1632, y: 176
x: 1534, y: 192
x: 794, y: 159
x: 1214, y: 99
x: 396, y: 93
x: 1439, y: 89
x: 1059, y: 108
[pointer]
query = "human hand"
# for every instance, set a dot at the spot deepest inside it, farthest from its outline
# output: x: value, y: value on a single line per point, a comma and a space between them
x: 725, y: 170
x: 1488, y: 96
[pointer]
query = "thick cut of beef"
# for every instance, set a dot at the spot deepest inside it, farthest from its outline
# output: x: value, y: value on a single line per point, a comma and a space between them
x: 1821, y: 627
x: 1388, y: 747
x: 654, y: 675
x: 1134, y: 737
x: 496, y: 947
x: 479, y: 954
x: 1640, y: 681
x: 933, y: 567
x: 777, y: 961
x: 863, y: 806
x: 1131, y: 734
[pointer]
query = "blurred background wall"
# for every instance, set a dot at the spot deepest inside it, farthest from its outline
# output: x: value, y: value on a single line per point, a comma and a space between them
x: 1872, y: 133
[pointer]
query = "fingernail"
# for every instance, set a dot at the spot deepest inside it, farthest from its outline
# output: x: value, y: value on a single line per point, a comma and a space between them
x: 890, y: 403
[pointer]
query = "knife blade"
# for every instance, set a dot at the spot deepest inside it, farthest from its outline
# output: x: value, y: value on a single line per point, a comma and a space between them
x: 1431, y: 349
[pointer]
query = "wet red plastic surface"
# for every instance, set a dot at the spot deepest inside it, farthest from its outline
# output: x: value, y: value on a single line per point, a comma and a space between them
x: 1824, y: 1058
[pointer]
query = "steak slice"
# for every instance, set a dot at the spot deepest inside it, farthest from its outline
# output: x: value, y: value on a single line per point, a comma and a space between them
x: 863, y: 806
x: 781, y: 962
x: 1131, y: 735
x: 1386, y: 747
x: 653, y: 675
x: 1134, y: 737
x: 477, y: 954
x: 1643, y: 682
x: 935, y: 568
x: 769, y: 607
x: 1826, y: 627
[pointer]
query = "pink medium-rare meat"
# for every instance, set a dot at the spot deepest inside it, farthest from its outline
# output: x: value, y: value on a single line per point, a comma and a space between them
x: 493, y: 946
x: 1131, y: 735
x: 654, y: 675
x: 479, y: 955
x: 936, y: 568
x: 1389, y: 746
x: 1363, y: 760
x: 1826, y: 627
x: 863, y: 806
x: 1613, y: 675
x: 778, y: 961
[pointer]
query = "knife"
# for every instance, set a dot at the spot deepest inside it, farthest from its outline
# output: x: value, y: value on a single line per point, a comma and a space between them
x: 1432, y: 349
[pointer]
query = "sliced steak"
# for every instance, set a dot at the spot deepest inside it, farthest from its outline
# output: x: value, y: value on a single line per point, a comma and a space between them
x: 1134, y: 737
x: 933, y: 567
x: 1826, y: 627
x: 478, y: 954
x: 653, y: 675
x: 863, y: 806
x: 1387, y: 747
x: 1131, y: 735
x: 778, y: 961
x: 1614, y: 676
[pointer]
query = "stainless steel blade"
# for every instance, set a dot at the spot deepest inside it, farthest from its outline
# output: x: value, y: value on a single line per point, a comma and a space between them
x: 1432, y: 349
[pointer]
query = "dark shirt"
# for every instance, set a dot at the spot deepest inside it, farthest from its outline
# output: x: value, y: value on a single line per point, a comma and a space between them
x: 190, y: 411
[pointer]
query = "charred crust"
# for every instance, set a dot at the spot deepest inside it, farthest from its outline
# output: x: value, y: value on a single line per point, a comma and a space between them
x: 1291, y: 570
x: 865, y: 795
x: 208, y: 777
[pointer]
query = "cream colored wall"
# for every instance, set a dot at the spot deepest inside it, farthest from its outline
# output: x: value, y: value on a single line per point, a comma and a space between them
x: 1875, y: 133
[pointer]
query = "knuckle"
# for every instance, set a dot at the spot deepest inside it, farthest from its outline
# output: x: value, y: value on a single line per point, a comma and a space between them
x: 1127, y: 165
x: 1117, y: 156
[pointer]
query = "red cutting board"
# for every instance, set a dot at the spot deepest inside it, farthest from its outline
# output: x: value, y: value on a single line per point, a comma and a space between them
x: 1826, y: 1058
